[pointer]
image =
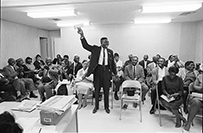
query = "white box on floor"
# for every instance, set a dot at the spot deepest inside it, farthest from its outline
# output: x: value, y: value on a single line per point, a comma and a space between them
x: 53, y: 109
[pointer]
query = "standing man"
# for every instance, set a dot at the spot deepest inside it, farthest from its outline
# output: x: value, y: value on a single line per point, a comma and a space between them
x: 102, y: 66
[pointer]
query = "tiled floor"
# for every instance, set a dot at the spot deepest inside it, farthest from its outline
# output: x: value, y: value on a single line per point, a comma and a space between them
x: 103, y: 122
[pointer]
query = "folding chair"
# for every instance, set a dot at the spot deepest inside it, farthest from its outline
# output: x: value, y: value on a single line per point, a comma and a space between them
x: 137, y: 98
x: 159, y: 103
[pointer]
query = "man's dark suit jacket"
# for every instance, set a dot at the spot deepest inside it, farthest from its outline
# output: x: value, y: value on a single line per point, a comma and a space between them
x: 142, y: 63
x: 95, y: 53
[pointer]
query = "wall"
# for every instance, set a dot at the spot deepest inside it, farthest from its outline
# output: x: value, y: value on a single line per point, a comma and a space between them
x: 124, y: 39
x: 165, y: 39
x: 199, y: 44
x: 19, y: 40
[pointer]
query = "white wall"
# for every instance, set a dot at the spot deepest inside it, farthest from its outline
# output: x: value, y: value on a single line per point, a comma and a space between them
x: 20, y: 41
x: 124, y: 39
x: 199, y: 44
x: 183, y: 39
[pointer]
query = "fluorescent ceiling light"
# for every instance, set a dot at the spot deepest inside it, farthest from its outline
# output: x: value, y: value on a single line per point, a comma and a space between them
x: 171, y: 8
x: 72, y: 23
x: 51, y: 14
x: 151, y: 21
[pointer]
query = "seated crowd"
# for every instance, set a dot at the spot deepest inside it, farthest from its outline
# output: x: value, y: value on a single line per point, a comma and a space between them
x: 171, y: 77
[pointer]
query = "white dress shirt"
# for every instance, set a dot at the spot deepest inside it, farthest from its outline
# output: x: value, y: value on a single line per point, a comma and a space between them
x: 101, y: 57
x: 161, y: 73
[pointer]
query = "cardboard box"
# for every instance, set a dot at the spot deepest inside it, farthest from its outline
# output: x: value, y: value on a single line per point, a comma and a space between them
x: 55, y: 108
x: 51, y: 118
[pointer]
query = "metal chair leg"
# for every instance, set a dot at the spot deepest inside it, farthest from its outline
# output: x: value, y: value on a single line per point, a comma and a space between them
x: 121, y: 108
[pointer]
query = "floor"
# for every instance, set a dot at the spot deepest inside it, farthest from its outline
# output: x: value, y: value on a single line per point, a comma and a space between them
x: 103, y: 122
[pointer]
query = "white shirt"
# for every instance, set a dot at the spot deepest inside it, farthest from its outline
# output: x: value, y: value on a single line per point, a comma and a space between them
x: 145, y: 64
x: 119, y: 63
x: 161, y: 73
x: 101, y: 57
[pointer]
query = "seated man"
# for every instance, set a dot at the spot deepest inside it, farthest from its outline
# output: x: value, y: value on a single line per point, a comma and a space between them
x: 134, y: 71
x: 74, y: 67
x: 7, y: 91
x: 48, y: 81
x: 22, y: 76
x: 157, y: 75
x: 195, y: 103
x: 22, y: 85
x: 83, y: 85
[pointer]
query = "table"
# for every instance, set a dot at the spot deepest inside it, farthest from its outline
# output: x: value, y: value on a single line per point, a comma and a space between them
x: 69, y: 123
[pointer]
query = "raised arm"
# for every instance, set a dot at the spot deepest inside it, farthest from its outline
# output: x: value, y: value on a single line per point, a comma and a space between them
x: 84, y: 41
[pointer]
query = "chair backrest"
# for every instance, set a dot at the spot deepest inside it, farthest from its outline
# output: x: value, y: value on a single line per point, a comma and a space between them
x: 131, y: 84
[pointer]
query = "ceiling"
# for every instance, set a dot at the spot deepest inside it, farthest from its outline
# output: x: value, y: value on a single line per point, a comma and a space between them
x: 96, y: 11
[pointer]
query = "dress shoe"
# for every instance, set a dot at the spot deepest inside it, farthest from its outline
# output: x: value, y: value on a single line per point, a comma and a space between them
x: 152, y: 110
x: 94, y: 110
x: 32, y: 95
x: 107, y: 110
x: 116, y: 96
x: 125, y: 106
x: 135, y: 105
x: 178, y: 125
x: 185, y: 110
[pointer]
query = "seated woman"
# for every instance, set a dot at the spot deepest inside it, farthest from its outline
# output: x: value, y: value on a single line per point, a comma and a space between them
x: 8, y: 124
x: 195, y: 103
x: 172, y: 86
x: 83, y: 85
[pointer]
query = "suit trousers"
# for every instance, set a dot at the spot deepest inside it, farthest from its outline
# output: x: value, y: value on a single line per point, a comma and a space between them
x: 102, y: 78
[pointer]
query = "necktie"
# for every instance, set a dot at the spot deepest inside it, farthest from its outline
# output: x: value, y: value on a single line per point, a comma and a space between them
x: 103, y: 63
x: 134, y: 72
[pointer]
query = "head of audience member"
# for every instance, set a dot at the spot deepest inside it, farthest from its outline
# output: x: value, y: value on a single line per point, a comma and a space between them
x: 134, y: 60
x: 11, y: 61
x: 171, y: 58
x: 173, y: 71
x: 38, y: 57
x: 63, y: 63
x: 161, y: 62
x: 19, y: 62
x: 85, y: 64
x: 176, y: 58
x: 66, y: 57
x: 145, y: 57
x: 28, y: 60
x: 154, y: 59
x: 76, y: 59
x: 48, y: 61
x: 158, y: 56
x: 58, y: 56
x: 130, y: 56
x: 8, y: 124
x: 190, y: 66
x: 116, y: 57
x: 104, y: 42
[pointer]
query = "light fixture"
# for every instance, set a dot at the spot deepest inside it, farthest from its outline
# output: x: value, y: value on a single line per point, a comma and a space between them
x: 151, y: 21
x: 73, y: 23
x: 51, y: 14
x: 171, y: 8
